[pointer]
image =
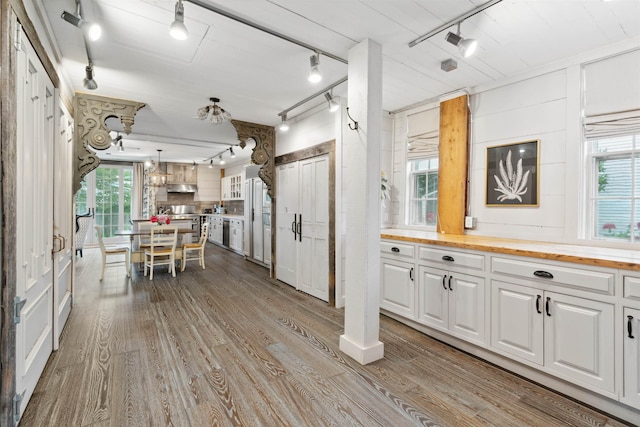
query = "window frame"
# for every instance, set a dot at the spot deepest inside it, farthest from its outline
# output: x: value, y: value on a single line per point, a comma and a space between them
x: 411, y: 200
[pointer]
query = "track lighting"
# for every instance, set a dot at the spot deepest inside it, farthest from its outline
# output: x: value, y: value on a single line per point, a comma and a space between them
x: 89, y: 82
x: 221, y: 159
x: 211, y: 164
x: 314, y: 74
x: 465, y: 46
x: 120, y: 146
x: 284, y: 126
x: 333, y: 105
x: 177, y: 29
x: 90, y: 29
x: 193, y: 166
x: 114, y: 141
x: 233, y: 155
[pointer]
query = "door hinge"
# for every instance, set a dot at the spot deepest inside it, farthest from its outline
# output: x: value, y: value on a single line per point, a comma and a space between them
x: 17, y: 401
x: 17, y: 308
x: 19, y: 32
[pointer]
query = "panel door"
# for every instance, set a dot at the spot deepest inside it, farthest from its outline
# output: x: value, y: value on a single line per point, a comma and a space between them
x: 286, y: 220
x: 63, y: 225
x: 433, y: 297
x: 631, y: 356
x: 517, y: 321
x: 397, y: 292
x: 579, y: 341
x: 467, y: 306
x: 34, y: 270
x: 313, y: 227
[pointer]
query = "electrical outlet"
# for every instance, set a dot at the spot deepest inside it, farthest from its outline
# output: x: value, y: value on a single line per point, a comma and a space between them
x: 469, y: 222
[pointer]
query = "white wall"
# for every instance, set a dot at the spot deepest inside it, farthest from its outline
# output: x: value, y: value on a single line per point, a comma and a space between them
x: 546, y: 105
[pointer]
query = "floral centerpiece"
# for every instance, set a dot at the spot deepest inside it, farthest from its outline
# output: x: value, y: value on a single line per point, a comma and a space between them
x: 160, y: 219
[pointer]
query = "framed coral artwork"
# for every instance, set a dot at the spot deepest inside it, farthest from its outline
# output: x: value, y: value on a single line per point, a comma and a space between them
x: 512, y: 174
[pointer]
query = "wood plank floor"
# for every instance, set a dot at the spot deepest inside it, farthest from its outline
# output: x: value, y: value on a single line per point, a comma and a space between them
x: 226, y: 346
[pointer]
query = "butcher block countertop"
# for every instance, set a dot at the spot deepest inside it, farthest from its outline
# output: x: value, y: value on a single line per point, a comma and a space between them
x: 588, y: 255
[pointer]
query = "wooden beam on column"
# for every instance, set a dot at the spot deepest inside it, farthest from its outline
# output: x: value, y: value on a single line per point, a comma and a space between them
x: 453, y: 167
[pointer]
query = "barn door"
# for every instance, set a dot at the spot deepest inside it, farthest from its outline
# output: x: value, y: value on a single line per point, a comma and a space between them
x: 34, y: 225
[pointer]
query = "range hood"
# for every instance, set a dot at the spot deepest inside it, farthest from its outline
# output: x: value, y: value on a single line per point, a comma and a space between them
x: 182, y: 188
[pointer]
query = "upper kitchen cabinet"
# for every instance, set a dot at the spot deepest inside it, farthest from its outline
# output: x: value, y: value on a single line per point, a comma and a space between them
x: 232, y: 187
x: 181, y: 173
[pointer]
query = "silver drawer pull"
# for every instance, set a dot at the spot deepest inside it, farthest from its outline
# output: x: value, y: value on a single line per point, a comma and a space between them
x: 543, y: 274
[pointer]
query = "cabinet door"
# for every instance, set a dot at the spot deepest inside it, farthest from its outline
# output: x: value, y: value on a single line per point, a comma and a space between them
x: 466, y: 307
x: 517, y: 321
x: 579, y: 341
x: 433, y: 297
x: 631, y: 355
x: 397, y: 287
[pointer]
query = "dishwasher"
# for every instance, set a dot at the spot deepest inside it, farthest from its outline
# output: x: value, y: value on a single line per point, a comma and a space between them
x: 225, y: 233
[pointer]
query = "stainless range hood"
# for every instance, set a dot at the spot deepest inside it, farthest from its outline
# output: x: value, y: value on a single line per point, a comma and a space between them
x: 182, y: 188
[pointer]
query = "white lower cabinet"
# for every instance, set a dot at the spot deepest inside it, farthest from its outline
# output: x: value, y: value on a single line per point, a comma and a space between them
x: 631, y: 356
x: 579, y: 340
x: 452, y: 302
x: 397, y: 292
x: 215, y: 229
x: 236, y: 240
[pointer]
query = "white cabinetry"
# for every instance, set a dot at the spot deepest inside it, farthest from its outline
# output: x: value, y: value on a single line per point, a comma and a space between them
x: 397, y: 286
x: 232, y: 187
x: 535, y: 318
x: 452, y: 300
x: 236, y: 235
x: 631, y: 342
x: 215, y: 229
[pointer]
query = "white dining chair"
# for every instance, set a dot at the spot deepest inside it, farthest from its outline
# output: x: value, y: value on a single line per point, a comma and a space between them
x: 162, y: 249
x: 112, y: 251
x: 197, y: 247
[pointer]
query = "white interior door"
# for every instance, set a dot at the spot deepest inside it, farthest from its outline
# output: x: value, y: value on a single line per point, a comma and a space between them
x: 63, y: 226
x: 286, y: 220
x: 34, y: 226
x: 257, y: 238
x: 313, y: 216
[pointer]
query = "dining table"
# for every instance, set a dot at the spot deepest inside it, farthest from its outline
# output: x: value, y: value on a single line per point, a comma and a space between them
x: 137, y: 255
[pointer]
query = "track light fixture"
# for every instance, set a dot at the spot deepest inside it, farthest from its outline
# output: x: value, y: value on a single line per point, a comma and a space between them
x: 465, y: 46
x: 284, y: 126
x: 233, y: 155
x: 177, y: 29
x: 211, y: 164
x: 91, y: 30
x: 89, y: 82
x: 314, y: 73
x: 333, y: 105
x: 120, y: 146
x: 221, y: 159
x: 193, y: 166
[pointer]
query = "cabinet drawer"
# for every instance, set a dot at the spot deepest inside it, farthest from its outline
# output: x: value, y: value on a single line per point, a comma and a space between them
x: 631, y: 288
x: 451, y: 258
x: 397, y: 250
x: 572, y: 276
x: 236, y: 223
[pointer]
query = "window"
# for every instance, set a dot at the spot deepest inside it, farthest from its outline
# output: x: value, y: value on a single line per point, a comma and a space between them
x: 615, y: 187
x: 423, y: 192
x: 108, y: 189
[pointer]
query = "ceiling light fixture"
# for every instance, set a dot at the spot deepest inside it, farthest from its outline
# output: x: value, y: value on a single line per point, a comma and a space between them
x: 157, y: 175
x: 233, y: 155
x: 120, y: 146
x: 193, y: 166
x: 177, y: 29
x: 314, y: 73
x: 465, y: 46
x: 218, y: 115
x: 90, y: 29
x: 114, y: 141
x: 89, y: 82
x: 211, y: 164
x: 333, y: 105
x: 221, y: 159
x: 284, y: 126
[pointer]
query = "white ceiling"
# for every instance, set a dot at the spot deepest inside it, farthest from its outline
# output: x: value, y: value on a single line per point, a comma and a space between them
x: 257, y: 75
